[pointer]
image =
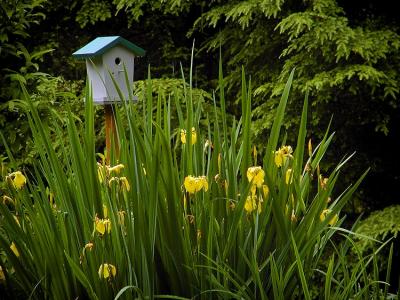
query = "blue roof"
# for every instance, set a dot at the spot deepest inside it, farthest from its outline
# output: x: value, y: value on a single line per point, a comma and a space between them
x: 101, y: 44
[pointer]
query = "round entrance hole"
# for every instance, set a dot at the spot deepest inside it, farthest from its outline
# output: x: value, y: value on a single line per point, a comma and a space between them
x: 117, y: 61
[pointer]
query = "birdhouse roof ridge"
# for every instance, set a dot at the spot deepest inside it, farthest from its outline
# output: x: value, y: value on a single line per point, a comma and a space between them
x: 101, y: 44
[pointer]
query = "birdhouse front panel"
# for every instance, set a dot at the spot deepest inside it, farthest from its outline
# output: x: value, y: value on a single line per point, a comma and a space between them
x: 95, y: 71
x: 118, y: 62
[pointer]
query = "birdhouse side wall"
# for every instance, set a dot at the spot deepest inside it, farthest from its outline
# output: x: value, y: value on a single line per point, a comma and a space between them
x: 114, y: 61
x: 95, y: 72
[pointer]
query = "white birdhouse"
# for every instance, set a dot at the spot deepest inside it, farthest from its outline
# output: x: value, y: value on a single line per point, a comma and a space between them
x: 105, y: 57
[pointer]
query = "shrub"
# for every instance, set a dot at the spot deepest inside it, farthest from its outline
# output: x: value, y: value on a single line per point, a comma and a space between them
x: 383, y: 225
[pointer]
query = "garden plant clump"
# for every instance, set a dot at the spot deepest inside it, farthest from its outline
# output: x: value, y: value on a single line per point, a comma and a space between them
x: 184, y: 210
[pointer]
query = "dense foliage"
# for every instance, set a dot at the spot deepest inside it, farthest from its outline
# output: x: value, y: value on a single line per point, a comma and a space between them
x: 346, y: 56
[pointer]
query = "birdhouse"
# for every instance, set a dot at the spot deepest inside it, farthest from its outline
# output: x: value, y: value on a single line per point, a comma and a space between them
x: 108, y: 58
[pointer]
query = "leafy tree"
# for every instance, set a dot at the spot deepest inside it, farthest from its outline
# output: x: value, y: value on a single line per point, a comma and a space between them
x: 20, y: 64
x: 350, y: 69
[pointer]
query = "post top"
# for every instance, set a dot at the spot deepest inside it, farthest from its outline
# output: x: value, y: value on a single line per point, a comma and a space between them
x: 101, y: 44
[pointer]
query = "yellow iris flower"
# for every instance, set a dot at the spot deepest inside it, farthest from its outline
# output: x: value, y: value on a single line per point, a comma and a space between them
x: 7, y: 199
x: 252, y: 204
x: 122, y: 182
x: 121, y: 217
x: 207, y: 145
x: 323, y: 181
x: 289, y: 177
x: 101, y: 172
x: 256, y: 175
x: 89, y: 246
x: 125, y: 184
x: 107, y: 270
x: 265, y: 190
x: 199, y: 234
x: 293, y: 217
x: 194, y: 136
x: 104, y: 171
x: 116, y: 169
x: 183, y: 136
x: 113, y: 179
x: 18, y: 179
x: 194, y: 184
x: 103, y: 225
x: 325, y: 213
x: 282, y: 154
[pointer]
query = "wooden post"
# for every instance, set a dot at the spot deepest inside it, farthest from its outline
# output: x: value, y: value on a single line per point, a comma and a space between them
x: 111, y: 133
